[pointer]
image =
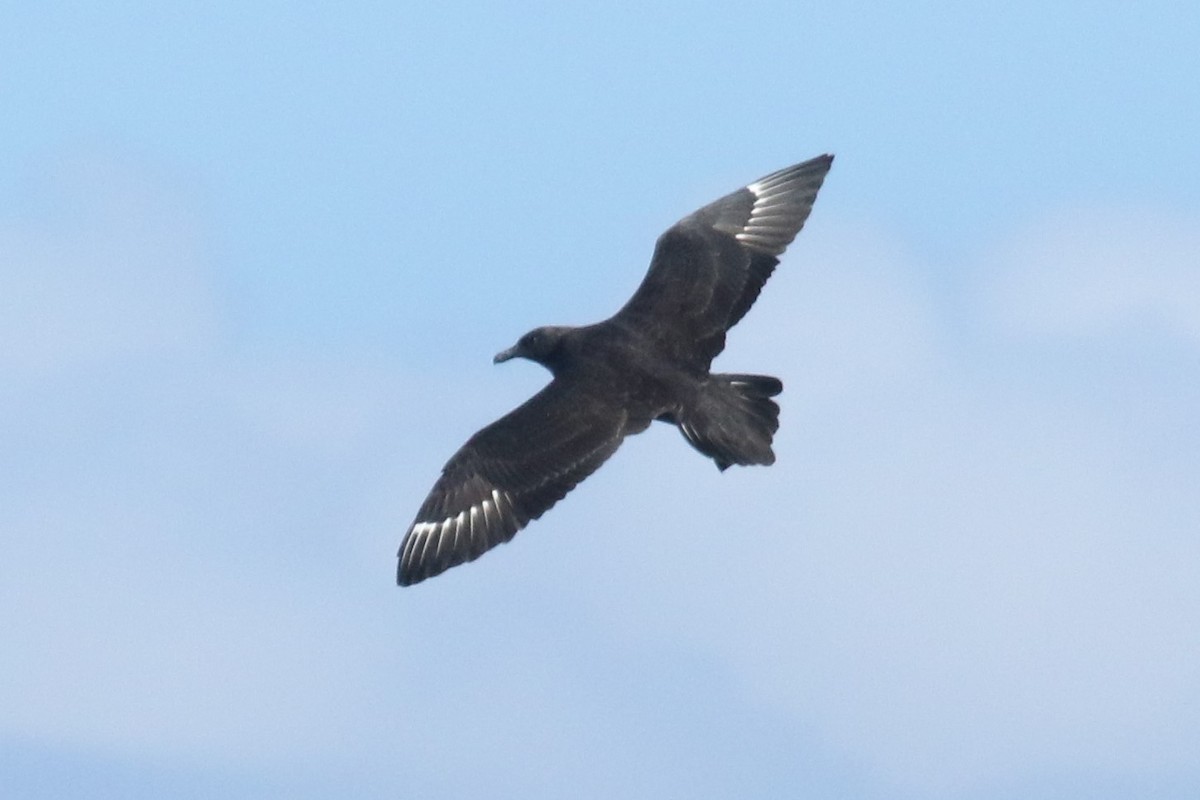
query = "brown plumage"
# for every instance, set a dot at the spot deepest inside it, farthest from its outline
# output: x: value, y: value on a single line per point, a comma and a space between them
x: 649, y: 361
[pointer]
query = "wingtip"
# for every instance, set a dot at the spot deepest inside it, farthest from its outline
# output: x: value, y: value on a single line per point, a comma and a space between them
x: 402, y: 578
x: 410, y: 569
x: 414, y: 574
x: 825, y: 160
x: 822, y: 162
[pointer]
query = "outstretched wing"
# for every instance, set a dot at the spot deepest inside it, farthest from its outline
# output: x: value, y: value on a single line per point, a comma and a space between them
x: 709, y: 267
x: 507, y: 474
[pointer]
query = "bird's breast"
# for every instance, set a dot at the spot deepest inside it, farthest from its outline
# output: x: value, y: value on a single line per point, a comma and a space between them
x: 631, y: 372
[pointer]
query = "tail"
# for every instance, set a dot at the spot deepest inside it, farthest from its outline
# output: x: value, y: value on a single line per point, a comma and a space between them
x: 733, y: 419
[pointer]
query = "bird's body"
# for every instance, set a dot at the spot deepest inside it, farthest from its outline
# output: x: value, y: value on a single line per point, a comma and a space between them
x: 649, y: 361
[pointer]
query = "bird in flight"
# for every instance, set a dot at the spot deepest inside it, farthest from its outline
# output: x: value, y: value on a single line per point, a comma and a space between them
x: 649, y: 361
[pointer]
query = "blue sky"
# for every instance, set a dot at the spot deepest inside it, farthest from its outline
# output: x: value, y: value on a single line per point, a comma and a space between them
x: 254, y: 262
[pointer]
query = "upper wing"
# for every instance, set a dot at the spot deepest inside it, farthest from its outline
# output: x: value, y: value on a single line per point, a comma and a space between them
x: 709, y: 267
x: 510, y: 472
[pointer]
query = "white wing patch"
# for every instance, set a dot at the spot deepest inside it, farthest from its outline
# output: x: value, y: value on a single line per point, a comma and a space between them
x: 781, y: 204
x: 466, y: 528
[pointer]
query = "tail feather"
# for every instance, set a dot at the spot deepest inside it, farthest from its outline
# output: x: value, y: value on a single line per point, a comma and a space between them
x: 734, y: 419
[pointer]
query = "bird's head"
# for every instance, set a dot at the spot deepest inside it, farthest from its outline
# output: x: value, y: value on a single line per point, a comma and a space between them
x: 543, y: 345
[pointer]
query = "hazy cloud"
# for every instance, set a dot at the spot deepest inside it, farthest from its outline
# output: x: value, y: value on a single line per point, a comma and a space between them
x: 1091, y: 271
x: 109, y: 266
x: 962, y: 571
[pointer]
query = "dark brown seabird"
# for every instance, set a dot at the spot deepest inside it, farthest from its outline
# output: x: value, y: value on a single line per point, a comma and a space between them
x: 649, y: 361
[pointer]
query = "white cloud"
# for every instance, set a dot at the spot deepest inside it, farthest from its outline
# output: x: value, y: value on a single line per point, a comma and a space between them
x: 111, y: 268
x: 963, y: 572
x: 142, y: 590
x: 953, y: 576
x: 858, y: 321
x: 1091, y: 271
